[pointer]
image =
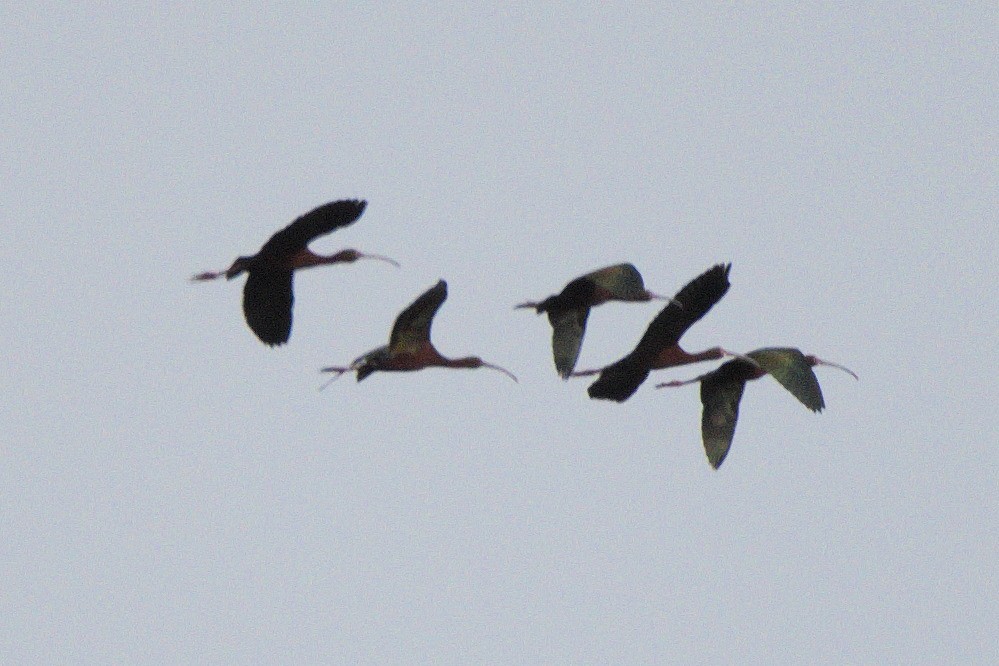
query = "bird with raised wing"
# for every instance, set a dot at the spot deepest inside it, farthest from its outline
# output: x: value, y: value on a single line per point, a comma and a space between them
x: 659, y: 347
x: 409, y: 346
x: 267, y: 295
x: 568, y: 310
x: 721, y: 390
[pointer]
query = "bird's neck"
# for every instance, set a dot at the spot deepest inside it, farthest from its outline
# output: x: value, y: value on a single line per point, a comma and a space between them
x: 673, y: 356
x: 306, y: 258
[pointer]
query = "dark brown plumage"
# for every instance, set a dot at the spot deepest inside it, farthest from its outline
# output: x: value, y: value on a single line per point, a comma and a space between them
x: 659, y: 347
x: 569, y: 309
x: 410, y: 347
x: 268, y: 295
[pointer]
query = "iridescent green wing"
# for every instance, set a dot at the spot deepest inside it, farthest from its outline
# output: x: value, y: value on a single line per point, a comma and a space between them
x: 721, y: 392
x: 621, y: 280
x: 412, y: 326
x: 568, y: 328
x: 789, y: 367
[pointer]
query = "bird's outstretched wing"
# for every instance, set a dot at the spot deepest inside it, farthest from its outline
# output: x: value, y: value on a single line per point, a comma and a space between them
x: 789, y: 367
x: 687, y: 307
x: 620, y: 380
x: 315, y: 223
x: 412, y: 326
x: 617, y: 279
x: 721, y: 392
x: 267, y: 302
x: 568, y: 328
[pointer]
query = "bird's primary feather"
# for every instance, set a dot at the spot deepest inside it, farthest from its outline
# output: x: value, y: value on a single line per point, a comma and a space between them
x: 412, y: 327
x: 317, y: 222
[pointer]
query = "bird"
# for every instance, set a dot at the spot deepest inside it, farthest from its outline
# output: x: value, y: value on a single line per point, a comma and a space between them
x: 569, y: 309
x: 659, y: 346
x: 409, y: 346
x: 721, y: 390
x: 267, y: 295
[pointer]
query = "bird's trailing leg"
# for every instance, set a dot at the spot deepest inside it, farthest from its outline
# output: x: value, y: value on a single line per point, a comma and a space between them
x: 337, y: 374
x: 682, y: 382
x: 208, y: 275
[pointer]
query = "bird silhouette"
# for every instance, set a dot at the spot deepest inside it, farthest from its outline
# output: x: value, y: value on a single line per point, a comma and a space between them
x: 409, y: 346
x: 267, y: 295
x: 722, y: 388
x: 568, y: 310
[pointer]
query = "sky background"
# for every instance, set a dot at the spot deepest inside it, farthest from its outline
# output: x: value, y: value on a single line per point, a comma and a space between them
x: 173, y: 491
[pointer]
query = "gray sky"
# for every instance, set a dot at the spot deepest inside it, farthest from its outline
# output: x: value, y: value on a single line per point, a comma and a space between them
x: 174, y: 491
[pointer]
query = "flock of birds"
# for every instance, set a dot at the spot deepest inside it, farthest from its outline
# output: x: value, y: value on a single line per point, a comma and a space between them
x: 268, y: 298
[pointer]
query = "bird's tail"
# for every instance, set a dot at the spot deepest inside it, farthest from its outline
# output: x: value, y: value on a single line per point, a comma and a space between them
x: 538, y: 307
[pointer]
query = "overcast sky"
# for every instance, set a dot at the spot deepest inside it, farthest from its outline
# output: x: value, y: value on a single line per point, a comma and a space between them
x: 173, y: 491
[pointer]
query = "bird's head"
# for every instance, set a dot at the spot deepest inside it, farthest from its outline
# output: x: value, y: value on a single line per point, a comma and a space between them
x: 240, y: 265
x: 476, y: 362
x: 351, y: 255
x: 813, y: 360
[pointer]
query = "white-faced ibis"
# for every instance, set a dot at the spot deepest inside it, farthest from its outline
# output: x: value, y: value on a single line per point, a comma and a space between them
x: 721, y: 391
x: 568, y: 310
x: 409, y: 346
x: 267, y: 296
x: 659, y: 347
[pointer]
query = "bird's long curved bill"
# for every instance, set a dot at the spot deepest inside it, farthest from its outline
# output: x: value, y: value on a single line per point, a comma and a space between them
x: 503, y: 370
x: 845, y: 369
x: 379, y: 257
x: 584, y: 373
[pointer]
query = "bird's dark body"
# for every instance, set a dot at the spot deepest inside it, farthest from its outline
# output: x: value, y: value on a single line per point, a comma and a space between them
x: 659, y: 346
x: 268, y: 296
x: 576, y: 295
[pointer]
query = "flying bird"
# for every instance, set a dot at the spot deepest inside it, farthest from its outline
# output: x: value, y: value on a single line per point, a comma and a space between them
x: 659, y: 347
x: 409, y: 346
x: 721, y: 391
x: 568, y: 310
x: 267, y: 295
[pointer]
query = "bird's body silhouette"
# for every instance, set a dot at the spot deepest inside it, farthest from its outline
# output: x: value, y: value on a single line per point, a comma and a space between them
x: 268, y: 296
x: 568, y: 310
x: 409, y: 346
x: 722, y: 388
x: 659, y: 346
